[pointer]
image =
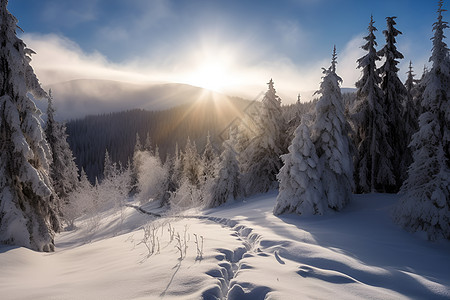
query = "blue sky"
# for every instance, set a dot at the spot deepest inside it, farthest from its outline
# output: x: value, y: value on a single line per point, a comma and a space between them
x: 247, y: 42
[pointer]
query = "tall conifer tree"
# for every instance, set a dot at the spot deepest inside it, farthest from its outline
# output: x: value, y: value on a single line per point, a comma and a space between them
x: 425, y: 204
x: 27, y: 200
x: 373, y: 163
x: 262, y: 155
x: 225, y: 186
x: 394, y: 93
x: 63, y: 170
x: 301, y: 188
x: 330, y: 137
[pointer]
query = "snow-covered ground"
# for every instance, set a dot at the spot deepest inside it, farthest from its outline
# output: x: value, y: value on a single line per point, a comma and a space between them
x: 247, y: 253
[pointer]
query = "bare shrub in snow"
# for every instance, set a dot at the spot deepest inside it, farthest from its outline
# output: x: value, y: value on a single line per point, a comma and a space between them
x: 149, y: 239
x: 199, y: 245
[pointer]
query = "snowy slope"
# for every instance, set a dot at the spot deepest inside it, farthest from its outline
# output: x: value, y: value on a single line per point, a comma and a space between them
x: 248, y: 253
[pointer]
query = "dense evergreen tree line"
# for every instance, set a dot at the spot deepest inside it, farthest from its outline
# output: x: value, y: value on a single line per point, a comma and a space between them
x: 91, y: 136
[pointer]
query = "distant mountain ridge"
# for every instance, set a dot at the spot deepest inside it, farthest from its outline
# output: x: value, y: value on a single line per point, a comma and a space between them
x: 82, y: 97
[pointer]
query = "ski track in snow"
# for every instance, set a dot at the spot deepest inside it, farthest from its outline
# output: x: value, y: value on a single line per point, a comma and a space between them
x: 232, y: 261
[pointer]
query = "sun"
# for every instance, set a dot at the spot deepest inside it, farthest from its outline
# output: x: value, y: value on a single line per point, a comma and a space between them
x: 212, y: 65
x: 211, y: 74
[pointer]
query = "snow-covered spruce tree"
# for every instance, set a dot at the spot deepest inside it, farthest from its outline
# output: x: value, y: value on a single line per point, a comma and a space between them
x: 177, y: 175
x: 115, y: 185
x: 410, y: 82
x: 263, y: 161
x: 148, y: 144
x: 109, y: 167
x: 417, y: 93
x: 168, y: 185
x: 301, y: 190
x: 135, y: 165
x: 27, y: 201
x: 80, y: 201
x: 151, y: 178
x: 184, y: 194
x: 410, y: 117
x: 412, y: 105
x: 157, y: 156
x: 209, y: 162
x: 225, y: 186
x: 188, y: 194
x: 294, y: 116
x: 393, y: 92
x: 63, y: 170
x: 191, y: 164
x: 330, y: 137
x: 425, y: 203
x: 373, y: 161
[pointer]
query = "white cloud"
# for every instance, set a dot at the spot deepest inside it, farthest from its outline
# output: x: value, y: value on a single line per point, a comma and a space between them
x: 347, y: 66
x: 59, y: 59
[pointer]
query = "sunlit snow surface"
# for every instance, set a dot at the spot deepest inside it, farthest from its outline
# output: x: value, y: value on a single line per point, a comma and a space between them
x: 248, y: 253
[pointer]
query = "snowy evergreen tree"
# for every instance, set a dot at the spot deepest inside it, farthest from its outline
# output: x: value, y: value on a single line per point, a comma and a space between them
x: 414, y: 91
x: 109, y: 167
x: 301, y: 190
x: 115, y: 186
x: 27, y: 201
x: 168, y: 185
x: 410, y: 117
x: 417, y: 94
x: 209, y: 162
x: 410, y: 82
x: 394, y: 93
x: 373, y: 162
x: 425, y: 203
x: 148, y: 144
x: 137, y: 161
x: 191, y: 164
x: 294, y: 117
x: 138, y: 144
x: 63, y: 170
x: 151, y: 178
x: 330, y: 137
x: 80, y: 201
x: 177, y: 175
x: 263, y: 153
x: 157, y: 155
x: 225, y: 186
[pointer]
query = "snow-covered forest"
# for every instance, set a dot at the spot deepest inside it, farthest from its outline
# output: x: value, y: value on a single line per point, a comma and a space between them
x: 345, y: 196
